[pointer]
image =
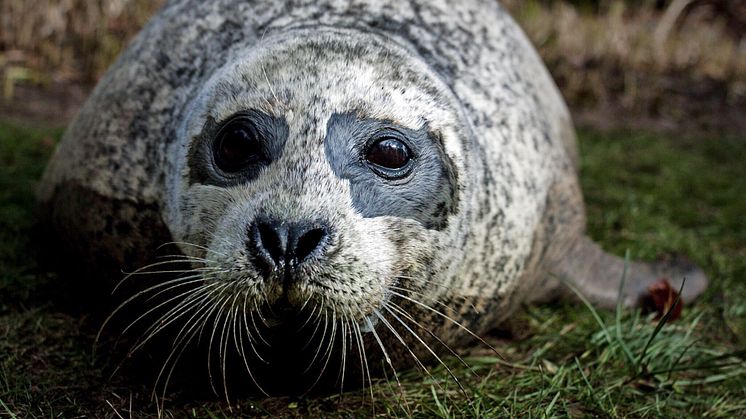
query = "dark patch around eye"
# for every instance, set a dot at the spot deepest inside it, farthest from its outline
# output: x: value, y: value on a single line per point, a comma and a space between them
x: 234, y: 151
x: 427, y: 193
x: 238, y: 145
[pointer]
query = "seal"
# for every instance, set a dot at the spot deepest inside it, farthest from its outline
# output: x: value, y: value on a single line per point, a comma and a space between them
x: 385, y: 180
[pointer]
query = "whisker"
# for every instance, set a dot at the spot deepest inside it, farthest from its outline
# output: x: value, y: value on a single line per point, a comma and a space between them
x: 328, y: 351
x: 303, y: 306
x: 364, y: 360
x: 223, y: 348
x: 240, y: 346
x: 424, y: 282
x: 409, y: 317
x: 212, y: 339
x: 343, y: 325
x: 168, y: 317
x: 142, y: 270
x: 181, y: 258
x: 385, y: 354
x: 190, y: 324
x: 318, y: 349
x: 248, y: 333
x: 253, y: 322
x: 313, y: 335
x: 193, y: 245
x: 462, y: 327
x: 426, y: 346
x: 429, y: 297
x: 308, y: 319
x: 183, y: 341
x: 202, y: 296
x: 391, y: 365
x: 401, y: 340
x: 132, y: 298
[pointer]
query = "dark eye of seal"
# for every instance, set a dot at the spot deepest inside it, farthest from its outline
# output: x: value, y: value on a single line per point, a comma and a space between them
x: 237, y: 145
x: 389, y: 157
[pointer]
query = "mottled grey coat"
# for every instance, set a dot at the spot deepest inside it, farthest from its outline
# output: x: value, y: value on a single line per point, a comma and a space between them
x: 490, y: 217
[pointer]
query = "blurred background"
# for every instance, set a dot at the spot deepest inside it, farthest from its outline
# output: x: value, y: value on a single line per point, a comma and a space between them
x: 664, y: 64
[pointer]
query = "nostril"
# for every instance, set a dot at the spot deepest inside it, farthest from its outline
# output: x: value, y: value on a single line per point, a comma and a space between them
x: 282, y: 246
x: 308, y: 242
x: 269, y: 239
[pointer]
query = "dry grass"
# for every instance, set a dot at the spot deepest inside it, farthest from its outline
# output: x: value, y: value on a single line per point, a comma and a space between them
x: 687, y: 57
x: 66, y: 40
x: 618, y: 49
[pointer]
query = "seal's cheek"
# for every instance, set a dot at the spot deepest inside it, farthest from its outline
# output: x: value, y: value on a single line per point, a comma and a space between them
x: 194, y: 216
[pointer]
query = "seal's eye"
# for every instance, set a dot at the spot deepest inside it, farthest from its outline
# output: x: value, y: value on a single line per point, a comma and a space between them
x: 237, y: 145
x: 389, y: 154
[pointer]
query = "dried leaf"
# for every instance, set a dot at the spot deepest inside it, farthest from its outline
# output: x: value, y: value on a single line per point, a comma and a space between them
x: 661, y: 297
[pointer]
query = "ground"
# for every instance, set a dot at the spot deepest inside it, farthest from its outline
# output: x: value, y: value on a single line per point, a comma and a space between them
x: 648, y: 194
x: 651, y: 192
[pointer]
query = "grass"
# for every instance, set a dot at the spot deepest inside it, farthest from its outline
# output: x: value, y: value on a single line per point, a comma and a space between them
x: 646, y: 194
x: 598, y: 51
x: 604, y: 55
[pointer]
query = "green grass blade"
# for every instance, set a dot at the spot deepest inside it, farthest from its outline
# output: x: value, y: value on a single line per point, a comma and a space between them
x: 660, y: 325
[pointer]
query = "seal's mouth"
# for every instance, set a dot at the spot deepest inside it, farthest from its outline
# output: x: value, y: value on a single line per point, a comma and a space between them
x: 290, y: 318
x: 281, y: 313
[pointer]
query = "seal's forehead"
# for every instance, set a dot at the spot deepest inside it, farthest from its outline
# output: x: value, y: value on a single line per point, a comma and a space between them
x: 314, y: 75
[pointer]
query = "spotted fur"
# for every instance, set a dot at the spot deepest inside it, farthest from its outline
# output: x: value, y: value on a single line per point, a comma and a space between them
x: 497, y: 215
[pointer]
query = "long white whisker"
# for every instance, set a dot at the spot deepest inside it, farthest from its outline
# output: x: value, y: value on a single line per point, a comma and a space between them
x: 401, y: 340
x: 462, y: 327
x: 152, y: 288
x: 142, y: 271
x: 212, y: 339
x: 194, y: 245
x: 183, y: 341
x: 400, y: 310
x: 248, y: 332
x: 429, y: 349
x: 363, y: 360
x: 385, y: 355
x: 318, y: 349
x: 173, y: 314
x: 343, y: 325
x: 223, y: 350
x: 243, y: 352
x: 328, y: 351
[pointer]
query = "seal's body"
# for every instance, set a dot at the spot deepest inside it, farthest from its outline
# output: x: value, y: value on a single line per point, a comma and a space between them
x: 396, y: 172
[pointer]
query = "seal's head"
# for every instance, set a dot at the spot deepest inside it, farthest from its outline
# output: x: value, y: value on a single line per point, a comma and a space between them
x: 318, y: 171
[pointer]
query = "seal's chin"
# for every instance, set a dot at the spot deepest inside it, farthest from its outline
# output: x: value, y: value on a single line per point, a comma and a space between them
x: 311, y: 300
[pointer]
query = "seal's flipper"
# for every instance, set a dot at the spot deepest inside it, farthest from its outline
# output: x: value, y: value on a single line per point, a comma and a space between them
x: 598, y: 275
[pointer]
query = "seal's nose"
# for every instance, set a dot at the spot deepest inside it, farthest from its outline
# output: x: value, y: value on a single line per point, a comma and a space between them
x: 282, y: 245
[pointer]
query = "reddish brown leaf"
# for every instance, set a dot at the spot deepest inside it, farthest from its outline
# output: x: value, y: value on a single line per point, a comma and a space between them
x: 661, y: 297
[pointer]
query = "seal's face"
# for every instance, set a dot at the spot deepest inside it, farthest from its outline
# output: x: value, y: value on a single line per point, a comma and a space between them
x: 315, y: 174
